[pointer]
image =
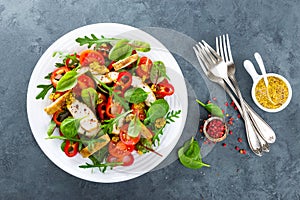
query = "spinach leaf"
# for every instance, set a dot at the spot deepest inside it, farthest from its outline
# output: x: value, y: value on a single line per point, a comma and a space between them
x: 120, y: 51
x: 134, y: 127
x: 89, y: 97
x: 135, y: 95
x: 67, y: 82
x: 189, y: 155
x: 45, y: 90
x: 158, y: 72
x: 140, y: 45
x: 212, y: 108
x: 158, y: 109
x: 70, y: 126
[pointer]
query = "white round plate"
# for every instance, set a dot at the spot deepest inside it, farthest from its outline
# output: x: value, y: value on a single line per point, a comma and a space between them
x: 39, y: 120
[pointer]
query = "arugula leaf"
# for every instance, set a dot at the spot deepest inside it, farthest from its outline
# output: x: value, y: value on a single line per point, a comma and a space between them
x: 69, y: 126
x: 89, y: 97
x: 158, y: 109
x: 158, y: 72
x: 157, y: 133
x: 45, y: 90
x: 67, y: 82
x: 81, y: 140
x: 171, y: 115
x: 112, y: 164
x: 140, y: 45
x: 120, y: 51
x: 94, y: 40
x: 135, y: 95
x: 134, y: 127
x: 189, y: 155
x: 107, y: 126
x: 48, y: 76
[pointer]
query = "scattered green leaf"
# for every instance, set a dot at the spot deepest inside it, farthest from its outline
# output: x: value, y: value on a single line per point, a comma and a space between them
x: 212, y: 108
x: 189, y: 155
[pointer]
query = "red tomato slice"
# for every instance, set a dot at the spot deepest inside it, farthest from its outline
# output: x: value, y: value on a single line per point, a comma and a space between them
x: 126, y: 139
x: 118, y: 149
x: 83, y: 82
x: 89, y: 56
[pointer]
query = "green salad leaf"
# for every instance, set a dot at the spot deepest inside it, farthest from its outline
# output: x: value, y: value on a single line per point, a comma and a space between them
x: 69, y: 126
x: 51, y: 128
x: 158, y: 72
x: 158, y: 109
x: 89, y: 97
x: 189, y: 155
x: 120, y: 51
x: 140, y: 45
x: 134, y: 127
x: 67, y: 82
x: 135, y: 95
x: 94, y: 40
x: 45, y: 90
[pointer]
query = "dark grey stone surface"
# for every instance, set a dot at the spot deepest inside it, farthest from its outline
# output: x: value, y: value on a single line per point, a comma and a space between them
x: 29, y: 27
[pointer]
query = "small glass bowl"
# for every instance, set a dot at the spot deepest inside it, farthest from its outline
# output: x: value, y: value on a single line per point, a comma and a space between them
x: 219, y: 139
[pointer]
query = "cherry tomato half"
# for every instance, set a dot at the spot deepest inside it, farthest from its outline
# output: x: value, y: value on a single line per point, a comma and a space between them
x: 71, y: 148
x: 144, y: 67
x: 57, y: 74
x: 164, y: 89
x: 89, y: 56
x: 126, y: 139
x: 83, y: 82
x: 118, y: 149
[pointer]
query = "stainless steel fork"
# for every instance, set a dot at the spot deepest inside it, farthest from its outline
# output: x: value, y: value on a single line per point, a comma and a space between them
x: 223, y: 49
x: 214, y: 64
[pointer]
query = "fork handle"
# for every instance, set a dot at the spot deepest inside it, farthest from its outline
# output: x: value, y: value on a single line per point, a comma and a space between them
x: 264, y: 130
x: 255, y: 142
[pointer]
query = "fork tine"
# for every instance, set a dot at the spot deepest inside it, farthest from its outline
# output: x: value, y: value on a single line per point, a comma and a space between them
x: 225, y: 49
x: 221, y: 47
x: 200, y: 61
x: 228, y: 47
x: 217, y: 46
x: 206, y: 55
x: 212, y: 50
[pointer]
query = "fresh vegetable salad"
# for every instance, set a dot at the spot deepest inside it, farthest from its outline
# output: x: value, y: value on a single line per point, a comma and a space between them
x: 108, y: 101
